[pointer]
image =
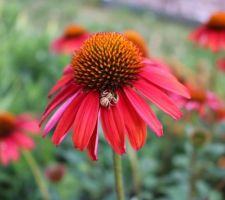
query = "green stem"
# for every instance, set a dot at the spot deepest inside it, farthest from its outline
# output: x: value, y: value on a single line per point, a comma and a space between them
x: 37, y: 175
x: 192, y: 183
x: 117, y: 163
x: 132, y: 155
x: 213, y: 78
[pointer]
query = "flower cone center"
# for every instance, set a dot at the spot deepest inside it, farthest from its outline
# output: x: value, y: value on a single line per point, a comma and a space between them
x: 217, y: 21
x: 74, y: 31
x: 7, y: 124
x: 106, y: 62
x: 138, y: 40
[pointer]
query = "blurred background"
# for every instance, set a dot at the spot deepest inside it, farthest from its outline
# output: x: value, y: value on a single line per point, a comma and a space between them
x: 167, y: 167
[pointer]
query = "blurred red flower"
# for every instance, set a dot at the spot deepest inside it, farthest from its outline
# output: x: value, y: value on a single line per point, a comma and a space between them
x: 110, y: 81
x: 71, y: 40
x: 13, y: 135
x: 200, y: 101
x: 211, y: 34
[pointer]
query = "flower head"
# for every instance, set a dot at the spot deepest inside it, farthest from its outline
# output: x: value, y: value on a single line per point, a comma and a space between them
x: 71, y: 40
x: 110, y: 82
x: 199, y: 137
x: 211, y: 34
x: 201, y: 100
x: 55, y: 172
x: 13, y: 135
x: 138, y: 40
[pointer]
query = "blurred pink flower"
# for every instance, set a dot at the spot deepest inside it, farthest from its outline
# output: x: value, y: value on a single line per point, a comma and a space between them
x: 71, y: 40
x: 13, y: 135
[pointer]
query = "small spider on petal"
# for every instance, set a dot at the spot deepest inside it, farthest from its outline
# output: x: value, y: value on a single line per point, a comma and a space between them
x: 14, y: 137
x: 110, y: 82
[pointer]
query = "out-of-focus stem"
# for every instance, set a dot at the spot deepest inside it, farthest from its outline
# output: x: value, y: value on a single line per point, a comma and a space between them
x: 37, y: 175
x: 192, y: 182
x: 118, y: 176
x: 135, y: 171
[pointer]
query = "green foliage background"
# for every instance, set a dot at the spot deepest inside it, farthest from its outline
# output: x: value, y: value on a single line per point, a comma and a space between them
x: 28, y: 70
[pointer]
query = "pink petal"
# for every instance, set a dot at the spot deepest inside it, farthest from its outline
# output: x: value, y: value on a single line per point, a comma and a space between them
x: 93, y: 144
x: 13, y: 150
x: 135, y: 126
x: 67, y: 119
x: 144, y: 111
x: 58, y: 99
x: 55, y: 117
x: 114, y: 128
x: 85, y: 120
x: 23, y: 140
x: 158, y: 97
x: 4, y: 154
x: 68, y: 70
x: 164, y: 80
x: 60, y: 83
x: 27, y: 123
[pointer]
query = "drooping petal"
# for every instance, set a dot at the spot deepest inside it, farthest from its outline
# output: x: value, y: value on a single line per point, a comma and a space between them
x: 114, y: 128
x: 4, y: 154
x: 67, y: 119
x: 93, y: 144
x: 27, y: 123
x: 158, y: 97
x: 23, y: 141
x: 135, y: 126
x: 60, y: 83
x: 56, y: 116
x: 58, y: 99
x: 164, y: 80
x: 85, y: 120
x: 144, y: 110
x: 12, y: 148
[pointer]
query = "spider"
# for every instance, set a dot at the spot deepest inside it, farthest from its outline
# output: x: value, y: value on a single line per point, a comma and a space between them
x: 108, y: 98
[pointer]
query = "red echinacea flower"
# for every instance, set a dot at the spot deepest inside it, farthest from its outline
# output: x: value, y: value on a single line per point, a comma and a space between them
x: 110, y: 82
x: 71, y: 40
x: 13, y: 135
x: 211, y: 34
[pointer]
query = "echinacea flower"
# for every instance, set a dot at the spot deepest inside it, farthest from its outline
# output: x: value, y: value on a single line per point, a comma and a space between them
x: 201, y: 100
x: 221, y: 64
x: 13, y: 135
x: 211, y: 34
x: 110, y: 82
x: 71, y: 40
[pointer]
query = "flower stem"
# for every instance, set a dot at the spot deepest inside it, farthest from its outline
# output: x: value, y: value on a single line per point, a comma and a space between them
x: 132, y: 155
x: 192, y: 183
x: 117, y: 163
x: 37, y: 175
